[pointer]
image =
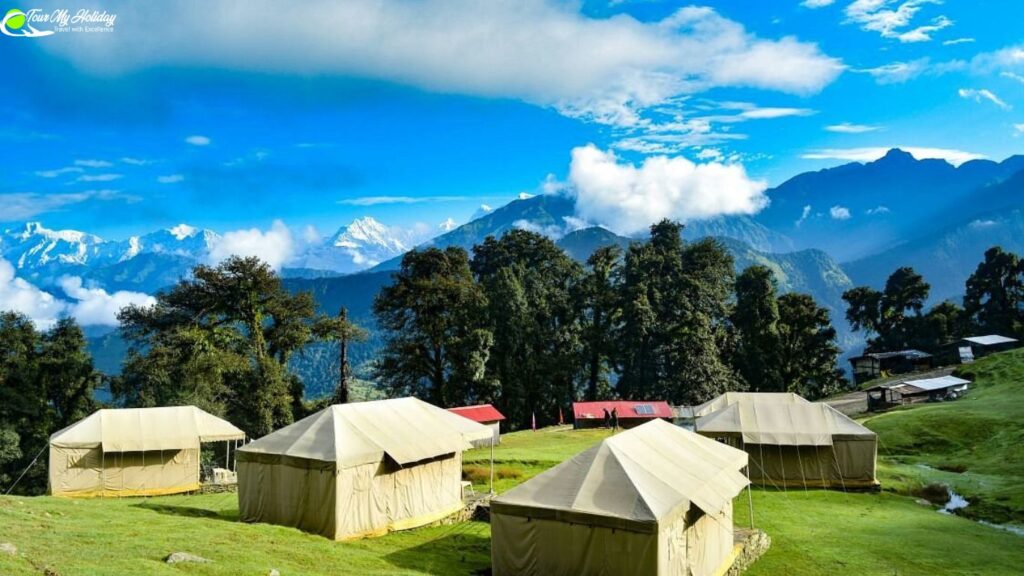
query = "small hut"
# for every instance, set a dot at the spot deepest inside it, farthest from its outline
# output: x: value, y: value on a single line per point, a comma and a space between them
x: 629, y: 413
x: 356, y: 470
x: 797, y: 445
x: 134, y: 451
x: 655, y: 499
x: 912, y: 391
x: 875, y: 364
x: 972, y: 347
x: 486, y: 415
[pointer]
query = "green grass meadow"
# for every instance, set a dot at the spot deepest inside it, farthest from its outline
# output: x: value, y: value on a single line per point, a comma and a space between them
x: 972, y: 444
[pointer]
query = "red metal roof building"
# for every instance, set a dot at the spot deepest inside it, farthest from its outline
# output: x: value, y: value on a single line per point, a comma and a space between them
x: 484, y: 414
x: 630, y: 412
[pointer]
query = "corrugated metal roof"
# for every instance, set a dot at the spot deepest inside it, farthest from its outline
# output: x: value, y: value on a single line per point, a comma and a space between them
x: 912, y: 354
x: 937, y: 383
x: 479, y: 413
x: 624, y: 409
x: 990, y: 340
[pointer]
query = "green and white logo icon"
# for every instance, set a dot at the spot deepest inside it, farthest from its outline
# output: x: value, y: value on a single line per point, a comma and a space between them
x: 16, y: 23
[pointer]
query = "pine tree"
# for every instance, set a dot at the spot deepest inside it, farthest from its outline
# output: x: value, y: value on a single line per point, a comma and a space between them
x: 343, y: 331
x: 756, y: 320
x: 598, y: 306
x: 994, y: 300
x: 435, y: 341
x: 537, y: 333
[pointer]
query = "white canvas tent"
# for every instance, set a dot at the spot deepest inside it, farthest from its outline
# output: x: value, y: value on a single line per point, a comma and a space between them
x: 655, y: 499
x: 356, y: 470
x: 730, y: 398
x: 797, y: 445
x: 134, y: 451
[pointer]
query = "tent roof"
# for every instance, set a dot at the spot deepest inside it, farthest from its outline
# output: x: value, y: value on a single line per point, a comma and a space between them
x: 479, y: 413
x: 730, y: 398
x: 990, y: 340
x: 640, y: 476
x: 937, y: 383
x: 405, y: 429
x: 144, y: 429
x: 809, y: 424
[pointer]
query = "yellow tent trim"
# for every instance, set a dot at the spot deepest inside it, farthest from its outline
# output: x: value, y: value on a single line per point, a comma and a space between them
x: 406, y: 523
x: 728, y: 562
x: 129, y: 493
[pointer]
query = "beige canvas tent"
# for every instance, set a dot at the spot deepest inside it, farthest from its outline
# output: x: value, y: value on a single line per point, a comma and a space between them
x: 655, y: 499
x: 797, y: 445
x: 134, y: 451
x: 730, y: 398
x: 356, y: 470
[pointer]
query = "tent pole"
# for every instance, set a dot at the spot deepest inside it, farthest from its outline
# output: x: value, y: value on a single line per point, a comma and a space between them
x: 750, y: 495
x: 492, y: 465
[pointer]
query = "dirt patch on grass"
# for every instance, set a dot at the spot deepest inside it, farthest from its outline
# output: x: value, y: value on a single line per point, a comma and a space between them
x: 481, y: 474
x: 953, y: 467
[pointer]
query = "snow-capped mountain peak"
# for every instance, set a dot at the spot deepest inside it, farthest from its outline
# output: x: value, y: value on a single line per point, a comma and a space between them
x: 367, y: 233
x: 34, y: 245
x: 182, y: 231
x: 448, y: 225
x: 482, y: 211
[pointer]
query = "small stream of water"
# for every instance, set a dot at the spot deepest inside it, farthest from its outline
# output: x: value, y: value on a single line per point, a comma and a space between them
x: 958, y: 502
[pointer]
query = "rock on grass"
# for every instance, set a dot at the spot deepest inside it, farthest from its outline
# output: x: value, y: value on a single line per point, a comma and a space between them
x: 178, y: 557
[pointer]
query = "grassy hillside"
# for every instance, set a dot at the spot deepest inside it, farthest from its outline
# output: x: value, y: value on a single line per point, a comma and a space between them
x: 973, y: 444
x: 812, y: 532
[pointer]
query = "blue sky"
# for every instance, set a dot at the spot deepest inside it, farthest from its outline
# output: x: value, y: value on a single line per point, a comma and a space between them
x: 233, y: 115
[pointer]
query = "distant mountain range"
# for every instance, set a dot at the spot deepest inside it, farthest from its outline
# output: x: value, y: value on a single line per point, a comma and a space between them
x: 856, y: 210
x: 822, y: 233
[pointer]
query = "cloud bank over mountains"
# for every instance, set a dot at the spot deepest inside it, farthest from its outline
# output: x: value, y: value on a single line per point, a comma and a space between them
x: 543, y: 52
x: 627, y: 198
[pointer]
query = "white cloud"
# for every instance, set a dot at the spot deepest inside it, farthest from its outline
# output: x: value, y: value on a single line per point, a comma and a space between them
x: 99, y: 177
x: 1018, y: 129
x: 18, y: 295
x: 980, y: 95
x: 869, y: 154
x: 770, y: 113
x: 59, y: 172
x: 897, y: 72
x: 839, y: 212
x: 376, y: 200
x: 448, y: 225
x: 804, y: 215
x: 1010, y: 75
x: 877, y: 210
x: 546, y: 52
x: 816, y: 3
x: 710, y: 154
x: 982, y: 224
x: 848, y: 128
x: 891, y: 18
x: 93, y: 163
x: 198, y: 140
x: 956, y: 41
x: 96, y: 306
x: 274, y: 246
x: 136, y: 161
x: 627, y: 199
x: 1010, y: 58
x: 24, y: 205
x: 170, y: 179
